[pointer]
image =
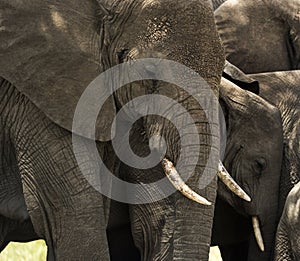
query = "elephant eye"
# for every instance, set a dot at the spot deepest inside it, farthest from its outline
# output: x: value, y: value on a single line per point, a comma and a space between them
x: 261, y: 164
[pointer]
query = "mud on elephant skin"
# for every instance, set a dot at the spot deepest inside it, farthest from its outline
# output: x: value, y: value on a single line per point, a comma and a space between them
x: 262, y: 36
x: 50, y: 52
x: 253, y: 157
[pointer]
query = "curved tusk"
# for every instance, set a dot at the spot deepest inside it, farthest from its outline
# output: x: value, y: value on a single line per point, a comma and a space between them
x: 179, y: 184
x: 230, y: 183
x: 257, y: 233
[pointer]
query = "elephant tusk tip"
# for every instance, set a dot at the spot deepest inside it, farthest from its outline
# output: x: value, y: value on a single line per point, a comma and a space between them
x: 257, y: 233
x: 247, y: 198
x: 203, y: 201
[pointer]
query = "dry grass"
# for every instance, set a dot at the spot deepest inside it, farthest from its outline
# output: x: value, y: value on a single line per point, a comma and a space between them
x: 36, y: 251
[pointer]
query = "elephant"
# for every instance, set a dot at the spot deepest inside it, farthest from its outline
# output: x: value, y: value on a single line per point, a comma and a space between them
x: 262, y: 36
x: 49, y: 53
x: 287, y: 237
x: 253, y: 156
x: 282, y: 91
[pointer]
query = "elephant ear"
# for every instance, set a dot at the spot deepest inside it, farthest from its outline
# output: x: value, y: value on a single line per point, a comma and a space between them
x: 250, y: 32
x: 235, y: 75
x: 47, y: 51
x: 289, y: 12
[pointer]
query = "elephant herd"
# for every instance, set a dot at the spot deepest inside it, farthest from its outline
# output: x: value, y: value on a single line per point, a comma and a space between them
x: 54, y: 187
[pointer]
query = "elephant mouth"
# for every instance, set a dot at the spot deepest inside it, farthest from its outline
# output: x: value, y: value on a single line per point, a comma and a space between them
x: 185, y: 190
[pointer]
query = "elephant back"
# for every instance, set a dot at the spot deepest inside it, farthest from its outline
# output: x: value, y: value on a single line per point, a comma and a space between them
x: 253, y: 36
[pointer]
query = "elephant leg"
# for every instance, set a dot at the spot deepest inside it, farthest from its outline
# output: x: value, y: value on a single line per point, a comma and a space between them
x: 64, y: 208
x: 72, y: 232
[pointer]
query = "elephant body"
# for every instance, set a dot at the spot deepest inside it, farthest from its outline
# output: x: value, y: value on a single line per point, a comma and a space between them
x: 49, y: 53
x: 262, y: 36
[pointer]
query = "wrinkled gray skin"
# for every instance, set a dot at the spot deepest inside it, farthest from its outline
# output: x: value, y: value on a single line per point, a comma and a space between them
x: 282, y: 89
x: 253, y: 157
x: 262, y: 35
x: 49, y: 53
x: 288, y: 236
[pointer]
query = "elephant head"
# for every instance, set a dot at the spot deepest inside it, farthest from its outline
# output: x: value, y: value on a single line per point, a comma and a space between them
x: 51, y: 52
x: 263, y: 36
x: 282, y: 90
x: 253, y: 156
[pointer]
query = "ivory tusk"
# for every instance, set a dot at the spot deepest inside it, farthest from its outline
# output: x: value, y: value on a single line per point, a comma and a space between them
x: 257, y: 233
x: 180, y: 185
x: 230, y: 183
